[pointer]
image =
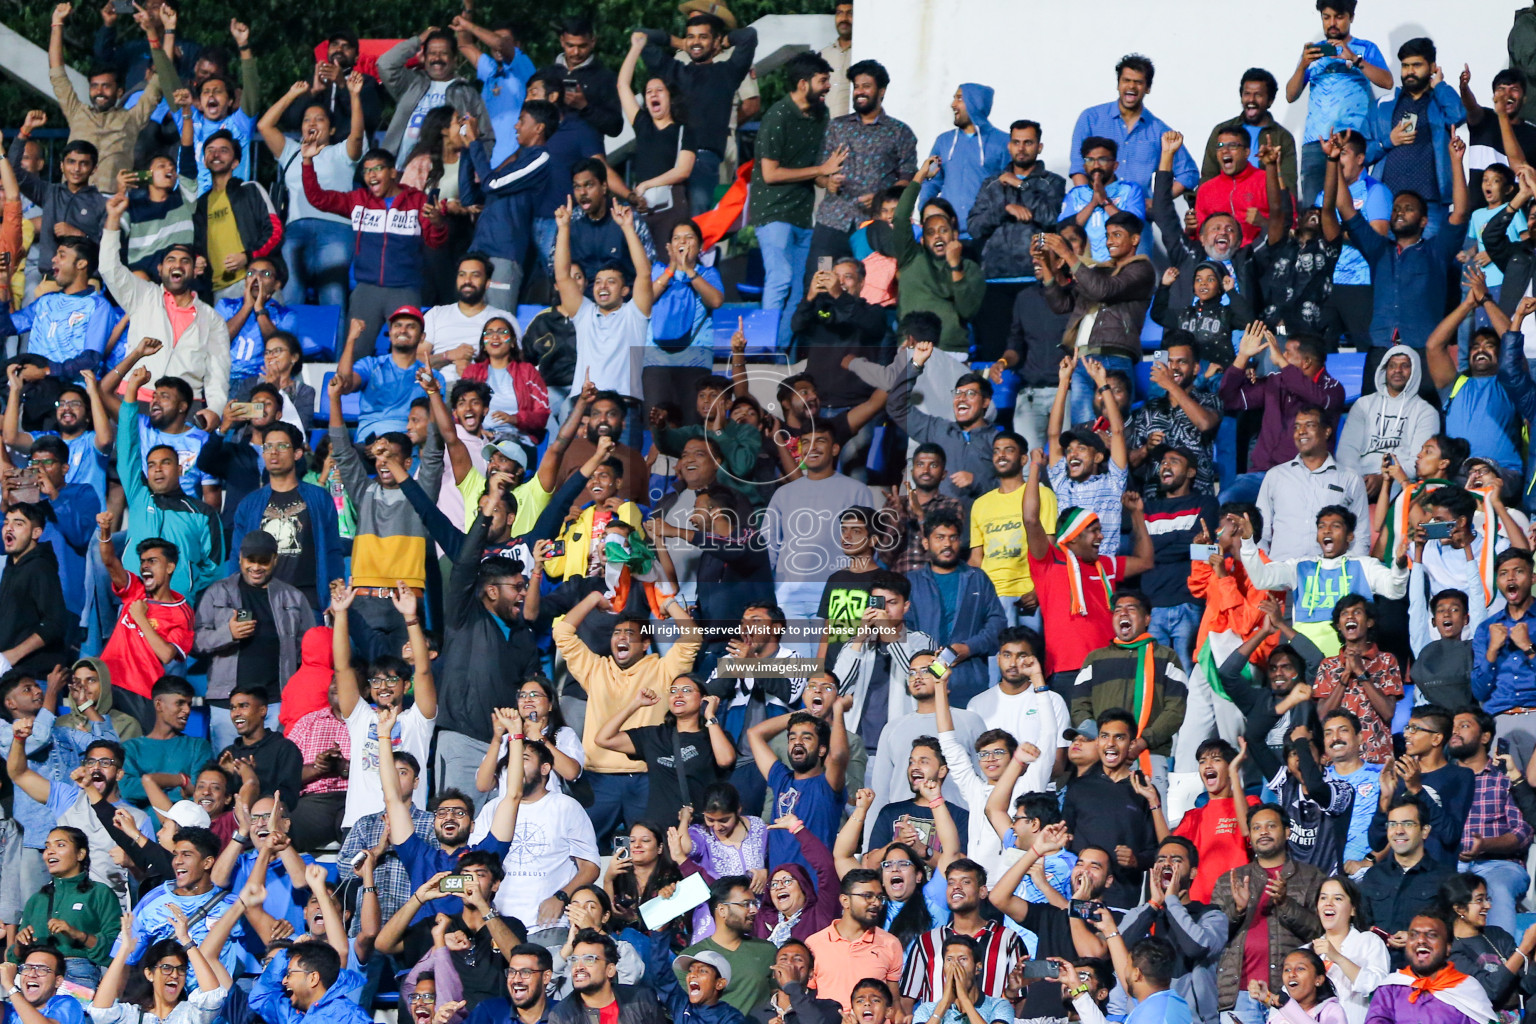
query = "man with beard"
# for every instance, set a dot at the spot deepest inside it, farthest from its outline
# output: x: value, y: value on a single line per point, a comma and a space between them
x: 454, y: 328
x: 1408, y: 130
x: 1409, y: 270
x: 1495, y: 836
x: 1424, y: 770
x: 899, y: 525
x: 1121, y: 120
x: 190, y: 890
x: 69, y: 327
x: 1349, y: 308
x: 431, y: 83
x: 1275, y: 896
x: 1493, y: 133
x: 1195, y: 931
x: 1257, y: 91
x: 103, y: 123
x: 181, y: 336
x: 966, y: 436
x: 553, y: 850
x: 936, y: 276
x: 73, y: 801
x: 529, y: 969
x: 595, y: 992
x: 1240, y: 186
x: 234, y: 222
x: 33, y: 615
x: 1408, y: 878
x: 1394, y: 421
x: 882, y: 154
x: 855, y: 947
x: 997, y: 531
x: 1295, y: 267
x: 996, y: 949
x: 88, y: 449
x: 598, y: 232
x: 606, y: 413
x: 328, y: 87
x: 967, y: 155
x: 1175, y: 517
x: 612, y: 327
x: 306, y: 982
x: 1138, y: 673
x: 920, y: 820
x: 371, y: 831
x: 784, y: 175
x: 819, y: 700
x: 1447, y: 995
x: 1023, y: 200
x: 1339, y: 72
x: 275, y: 758
x: 387, y: 383
x: 1101, y: 195
x: 1186, y: 416
x: 1103, y: 811
x: 300, y: 515
x: 1219, y: 239
x: 1485, y: 407
x: 811, y: 787
x: 954, y: 603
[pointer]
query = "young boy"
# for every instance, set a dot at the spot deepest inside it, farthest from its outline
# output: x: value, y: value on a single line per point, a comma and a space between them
x: 1442, y: 664
x: 1219, y: 828
x: 155, y: 627
x: 847, y: 592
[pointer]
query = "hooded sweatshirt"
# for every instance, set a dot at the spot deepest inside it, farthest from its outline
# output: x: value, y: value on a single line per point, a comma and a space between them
x: 1379, y: 423
x: 822, y: 906
x: 126, y: 726
x: 307, y: 689
x: 967, y: 159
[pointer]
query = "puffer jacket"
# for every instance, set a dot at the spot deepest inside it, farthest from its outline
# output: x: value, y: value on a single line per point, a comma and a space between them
x: 1379, y: 424
x: 1293, y: 923
x: 1121, y: 294
x: 1005, y: 242
x: 637, y: 1005
x: 532, y: 393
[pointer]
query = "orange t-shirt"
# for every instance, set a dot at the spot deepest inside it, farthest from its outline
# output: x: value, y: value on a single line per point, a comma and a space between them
x: 1213, y: 830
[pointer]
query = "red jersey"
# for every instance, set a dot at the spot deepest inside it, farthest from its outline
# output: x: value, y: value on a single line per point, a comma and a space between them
x: 1213, y: 830
x: 133, y: 664
x: 1073, y: 636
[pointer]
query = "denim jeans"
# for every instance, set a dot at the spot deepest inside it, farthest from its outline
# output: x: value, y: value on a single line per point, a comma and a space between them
x: 785, y: 249
x: 221, y: 729
x: 1080, y: 403
x: 1507, y: 882
x: 505, y: 285
x: 544, y: 239
x: 1244, y: 488
x: 1314, y: 171
x: 1031, y: 413
x: 1176, y: 627
x: 318, y: 254
x: 1249, y: 1011
x: 81, y: 970
x: 703, y: 181
x: 616, y: 799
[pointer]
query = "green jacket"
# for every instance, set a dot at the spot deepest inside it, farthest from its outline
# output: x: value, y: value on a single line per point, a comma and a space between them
x: 1272, y: 134
x: 94, y: 911
x: 927, y: 285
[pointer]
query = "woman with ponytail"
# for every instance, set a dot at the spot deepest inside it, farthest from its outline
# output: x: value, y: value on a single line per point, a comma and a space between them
x: 78, y: 915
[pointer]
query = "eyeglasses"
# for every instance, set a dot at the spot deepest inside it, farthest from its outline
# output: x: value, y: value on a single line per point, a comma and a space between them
x: 261, y: 819
x: 680, y: 690
x: 737, y: 903
x: 586, y: 960
x: 1401, y: 826
x: 1415, y: 727
x: 263, y: 273
x: 894, y: 865
x: 99, y: 762
x: 1098, y: 160
x: 873, y: 897
x: 497, y: 332
x: 992, y: 752
x: 452, y: 812
x: 1232, y: 145
x: 277, y: 446
x: 69, y: 403
x: 523, y: 973
x: 44, y: 462
x: 169, y: 969
x: 35, y: 969
x: 781, y: 883
x: 967, y: 392
x: 530, y: 694
x: 422, y: 997
x: 376, y: 680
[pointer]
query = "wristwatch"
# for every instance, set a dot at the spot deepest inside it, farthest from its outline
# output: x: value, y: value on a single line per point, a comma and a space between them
x: 562, y: 896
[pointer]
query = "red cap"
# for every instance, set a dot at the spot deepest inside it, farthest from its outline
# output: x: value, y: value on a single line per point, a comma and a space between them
x: 411, y: 311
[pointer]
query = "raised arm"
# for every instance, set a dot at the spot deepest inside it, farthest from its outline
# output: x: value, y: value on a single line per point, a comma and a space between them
x: 347, y: 690
x: 422, y: 683
x: 642, y: 295
x: 570, y: 292
x: 271, y: 134
x: 1034, y: 532
x: 396, y: 811
x: 611, y: 735
x: 627, y: 101
x: 1141, y: 558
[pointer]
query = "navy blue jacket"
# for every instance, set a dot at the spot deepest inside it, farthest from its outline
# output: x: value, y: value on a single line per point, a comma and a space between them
x: 1408, y: 285
x: 505, y: 228
x: 323, y: 526
x: 978, y: 621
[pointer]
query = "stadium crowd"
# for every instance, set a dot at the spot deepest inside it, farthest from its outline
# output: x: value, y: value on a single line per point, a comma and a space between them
x: 935, y: 650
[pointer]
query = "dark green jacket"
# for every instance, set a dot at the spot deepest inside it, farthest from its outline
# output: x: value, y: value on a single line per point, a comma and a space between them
x: 98, y: 914
x: 928, y: 285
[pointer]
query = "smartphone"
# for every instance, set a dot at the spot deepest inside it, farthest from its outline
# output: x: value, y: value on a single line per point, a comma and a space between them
x: 824, y: 265
x: 143, y: 177
x: 1088, y: 910
x: 1435, y: 530
x: 1329, y: 50
x: 453, y: 883
x: 1037, y: 244
x: 1201, y: 552
x: 1399, y: 745
x: 245, y: 410
x: 924, y: 830
x: 1160, y: 356
x: 357, y: 862
x: 244, y: 615
x: 1140, y: 776
x: 621, y: 846
x: 557, y: 549
x: 1409, y: 123
x: 1501, y: 746
x: 1381, y: 933
x: 1039, y: 969
x: 876, y: 601
x: 947, y: 657
x: 572, y: 85
x: 123, y: 7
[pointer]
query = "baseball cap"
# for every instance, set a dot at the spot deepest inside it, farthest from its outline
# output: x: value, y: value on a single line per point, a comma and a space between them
x: 1088, y: 731
x: 189, y: 815
x: 258, y: 545
x: 1086, y: 437
x: 1156, y: 454
x: 511, y: 449
x: 411, y: 311
x: 706, y: 956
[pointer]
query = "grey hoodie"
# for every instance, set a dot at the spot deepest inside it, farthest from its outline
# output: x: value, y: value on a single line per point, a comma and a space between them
x: 1380, y: 423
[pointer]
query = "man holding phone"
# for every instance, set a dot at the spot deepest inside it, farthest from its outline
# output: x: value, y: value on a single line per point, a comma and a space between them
x: 1409, y: 129
x: 1338, y: 71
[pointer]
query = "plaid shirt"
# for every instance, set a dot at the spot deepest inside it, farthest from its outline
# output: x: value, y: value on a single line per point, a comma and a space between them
x: 316, y: 733
x: 1099, y: 494
x: 1494, y: 814
x: 900, y: 538
x: 391, y: 877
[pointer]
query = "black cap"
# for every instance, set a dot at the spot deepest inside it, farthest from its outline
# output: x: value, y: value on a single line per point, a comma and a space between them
x: 259, y: 546
x: 1156, y: 454
x: 1087, y: 437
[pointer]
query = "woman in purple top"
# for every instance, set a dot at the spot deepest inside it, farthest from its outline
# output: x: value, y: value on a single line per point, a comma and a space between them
x: 798, y: 906
x: 729, y: 842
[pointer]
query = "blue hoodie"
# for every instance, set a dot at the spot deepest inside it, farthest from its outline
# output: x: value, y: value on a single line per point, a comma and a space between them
x: 336, y: 1006
x: 967, y: 160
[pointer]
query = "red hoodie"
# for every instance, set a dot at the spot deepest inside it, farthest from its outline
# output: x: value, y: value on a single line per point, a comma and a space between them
x: 308, y: 689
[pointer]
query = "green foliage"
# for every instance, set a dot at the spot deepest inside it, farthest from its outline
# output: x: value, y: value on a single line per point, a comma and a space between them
x: 284, y: 34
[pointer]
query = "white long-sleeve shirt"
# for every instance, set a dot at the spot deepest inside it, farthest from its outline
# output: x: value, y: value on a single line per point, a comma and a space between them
x: 982, y: 843
x: 1280, y: 574
x: 1367, y: 951
x: 1292, y: 495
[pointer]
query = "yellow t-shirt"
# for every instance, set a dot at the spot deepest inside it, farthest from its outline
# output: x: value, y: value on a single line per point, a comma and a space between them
x: 532, y: 499
x: 223, y: 239
x: 997, y: 527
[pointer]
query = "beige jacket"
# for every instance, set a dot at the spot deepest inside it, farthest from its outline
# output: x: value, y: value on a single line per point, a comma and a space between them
x: 112, y: 132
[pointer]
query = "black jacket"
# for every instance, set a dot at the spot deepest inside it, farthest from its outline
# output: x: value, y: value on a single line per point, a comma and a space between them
x: 480, y: 666
x: 261, y: 230
x: 32, y: 601
x: 1005, y: 242
x: 337, y: 102
x: 601, y: 88
x: 1186, y: 253
x: 637, y: 1005
x: 709, y: 88
x: 826, y: 329
x: 1393, y: 896
x: 1102, y: 812
x: 234, y: 460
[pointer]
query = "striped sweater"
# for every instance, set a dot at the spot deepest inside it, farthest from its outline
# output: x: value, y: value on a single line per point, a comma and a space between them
x: 391, y: 541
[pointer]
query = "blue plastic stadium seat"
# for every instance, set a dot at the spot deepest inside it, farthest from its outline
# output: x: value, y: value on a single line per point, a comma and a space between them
x: 760, y: 325
x: 525, y: 314
x: 317, y: 327
x: 1151, y: 335
x: 751, y: 284
x: 1348, y: 368
x: 351, y: 404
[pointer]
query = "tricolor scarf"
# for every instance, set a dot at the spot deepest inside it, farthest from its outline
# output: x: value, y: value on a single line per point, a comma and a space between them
x: 1071, y: 525
x: 1397, y: 518
x: 1451, y: 987
x: 1491, y: 529
x: 1146, y: 678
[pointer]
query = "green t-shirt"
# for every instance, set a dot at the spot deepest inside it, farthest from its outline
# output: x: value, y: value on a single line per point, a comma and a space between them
x: 794, y: 140
x: 751, y: 971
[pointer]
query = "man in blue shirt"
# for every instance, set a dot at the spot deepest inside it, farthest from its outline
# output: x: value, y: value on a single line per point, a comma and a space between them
x: 573, y: 141
x: 969, y: 153
x: 192, y: 854
x: 87, y: 452
x: 454, y: 813
x: 69, y: 327
x: 387, y: 382
x: 1340, y: 71
x: 1134, y: 129
x: 1101, y: 195
x: 1341, y: 743
x: 37, y: 978
x: 503, y: 69
x: 1410, y: 128
x: 1503, y: 673
x: 166, y: 424
x: 1145, y: 972
x: 1350, y: 300
x: 811, y: 788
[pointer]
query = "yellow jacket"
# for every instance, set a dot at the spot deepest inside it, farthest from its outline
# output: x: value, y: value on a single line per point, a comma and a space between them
x: 578, y: 541
x: 610, y: 688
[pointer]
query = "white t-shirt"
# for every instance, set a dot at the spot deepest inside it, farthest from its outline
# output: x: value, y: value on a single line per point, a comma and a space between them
x: 1023, y: 715
x: 566, y: 741
x: 334, y: 167
x: 447, y: 328
x: 435, y: 96
x: 412, y: 735
x: 611, y: 346
x: 549, y: 833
